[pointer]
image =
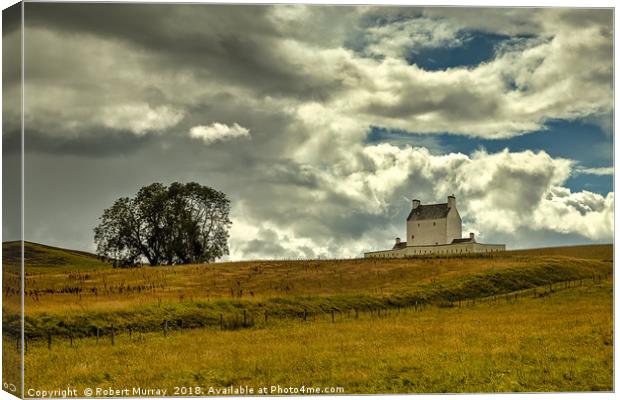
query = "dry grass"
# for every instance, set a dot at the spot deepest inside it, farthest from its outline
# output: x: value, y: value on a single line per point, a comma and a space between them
x: 117, y: 289
x: 593, y: 251
x: 561, y: 342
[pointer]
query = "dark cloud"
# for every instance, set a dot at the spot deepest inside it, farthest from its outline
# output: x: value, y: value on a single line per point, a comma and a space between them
x: 99, y: 142
x: 224, y: 42
x: 525, y: 238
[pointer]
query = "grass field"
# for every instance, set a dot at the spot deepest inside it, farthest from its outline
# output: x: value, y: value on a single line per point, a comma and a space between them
x: 538, y: 320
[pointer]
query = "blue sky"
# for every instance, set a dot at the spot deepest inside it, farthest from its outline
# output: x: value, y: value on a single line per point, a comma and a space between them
x: 475, y: 48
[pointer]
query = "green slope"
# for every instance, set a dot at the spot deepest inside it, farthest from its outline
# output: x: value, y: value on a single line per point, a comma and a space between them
x: 47, y: 259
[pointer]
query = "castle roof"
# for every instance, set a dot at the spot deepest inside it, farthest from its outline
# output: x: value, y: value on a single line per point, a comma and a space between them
x: 400, y: 245
x: 429, y: 211
x: 464, y: 240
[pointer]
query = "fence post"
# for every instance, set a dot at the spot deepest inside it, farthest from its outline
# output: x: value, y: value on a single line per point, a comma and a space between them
x: 332, y: 315
x: 305, y: 314
x: 165, y: 327
x: 222, y: 322
x: 112, y: 334
x: 266, y: 316
x: 356, y: 315
x: 97, y: 335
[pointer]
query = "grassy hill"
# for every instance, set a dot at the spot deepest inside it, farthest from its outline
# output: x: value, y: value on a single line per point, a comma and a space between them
x: 76, y: 291
x: 47, y: 259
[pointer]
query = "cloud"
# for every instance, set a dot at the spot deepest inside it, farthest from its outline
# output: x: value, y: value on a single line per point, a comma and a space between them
x: 111, y: 87
x: 560, y: 70
x: 346, y: 212
x: 397, y: 38
x: 140, y: 118
x: 218, y: 132
x: 595, y: 171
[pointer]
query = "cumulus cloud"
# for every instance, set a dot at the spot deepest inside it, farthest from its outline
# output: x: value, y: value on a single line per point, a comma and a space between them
x: 500, y: 192
x: 218, y: 132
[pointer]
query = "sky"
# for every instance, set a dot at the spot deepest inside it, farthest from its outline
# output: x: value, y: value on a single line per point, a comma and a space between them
x: 320, y: 123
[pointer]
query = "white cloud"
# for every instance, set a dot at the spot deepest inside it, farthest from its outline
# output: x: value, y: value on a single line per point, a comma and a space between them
x: 218, y: 132
x: 595, y: 171
x: 399, y: 37
x: 563, y: 72
x: 140, y: 118
x: 588, y: 214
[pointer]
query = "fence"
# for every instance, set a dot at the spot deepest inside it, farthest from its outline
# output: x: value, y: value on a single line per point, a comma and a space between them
x: 246, y: 319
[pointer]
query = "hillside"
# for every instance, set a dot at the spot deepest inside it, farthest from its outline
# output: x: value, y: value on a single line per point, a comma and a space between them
x: 595, y: 251
x: 47, y: 259
x: 91, y: 293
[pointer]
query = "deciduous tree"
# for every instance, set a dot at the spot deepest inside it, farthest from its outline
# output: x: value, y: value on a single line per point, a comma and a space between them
x: 178, y: 224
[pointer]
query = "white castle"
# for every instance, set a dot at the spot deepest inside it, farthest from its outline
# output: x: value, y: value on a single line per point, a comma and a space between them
x: 435, y: 229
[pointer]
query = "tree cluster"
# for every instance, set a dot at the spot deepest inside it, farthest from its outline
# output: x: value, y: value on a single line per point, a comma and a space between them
x: 176, y: 224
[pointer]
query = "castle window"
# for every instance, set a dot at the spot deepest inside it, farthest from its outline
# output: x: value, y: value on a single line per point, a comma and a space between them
x: 411, y: 236
x: 433, y: 224
x: 418, y: 225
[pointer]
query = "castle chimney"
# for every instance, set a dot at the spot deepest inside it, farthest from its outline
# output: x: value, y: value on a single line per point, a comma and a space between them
x: 415, y: 204
x: 472, y: 237
x: 397, y: 241
x: 451, y: 201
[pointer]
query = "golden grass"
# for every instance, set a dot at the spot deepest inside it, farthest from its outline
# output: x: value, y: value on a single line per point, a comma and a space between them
x: 117, y: 289
x: 595, y: 251
x: 561, y: 342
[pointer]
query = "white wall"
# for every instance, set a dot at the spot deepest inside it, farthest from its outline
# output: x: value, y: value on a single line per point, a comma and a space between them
x: 454, y: 228
x: 448, y: 250
x: 426, y: 232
